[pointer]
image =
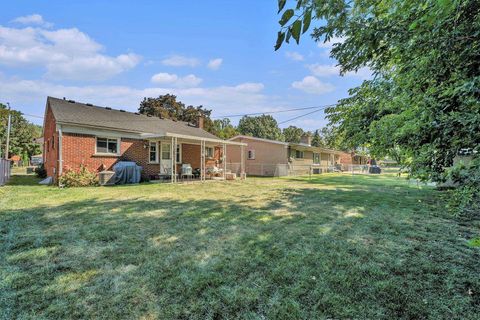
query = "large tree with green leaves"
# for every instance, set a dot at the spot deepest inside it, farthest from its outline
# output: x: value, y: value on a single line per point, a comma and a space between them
x: 22, y: 134
x: 224, y: 129
x: 422, y: 105
x: 293, y: 134
x: 166, y: 106
x: 264, y: 126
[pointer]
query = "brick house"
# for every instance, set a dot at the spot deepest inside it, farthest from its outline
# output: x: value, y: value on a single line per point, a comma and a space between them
x: 77, y: 134
x: 264, y: 157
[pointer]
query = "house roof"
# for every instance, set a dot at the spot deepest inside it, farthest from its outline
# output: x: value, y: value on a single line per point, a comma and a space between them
x: 302, y: 146
x: 76, y: 113
x: 259, y: 139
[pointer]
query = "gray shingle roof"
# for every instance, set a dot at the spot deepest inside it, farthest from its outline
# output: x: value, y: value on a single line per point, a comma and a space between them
x: 68, y: 111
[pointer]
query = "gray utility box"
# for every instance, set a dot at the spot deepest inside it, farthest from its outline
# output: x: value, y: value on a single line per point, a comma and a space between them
x: 106, y: 178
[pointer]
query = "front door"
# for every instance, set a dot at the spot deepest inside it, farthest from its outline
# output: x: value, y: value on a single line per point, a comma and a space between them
x: 165, y: 158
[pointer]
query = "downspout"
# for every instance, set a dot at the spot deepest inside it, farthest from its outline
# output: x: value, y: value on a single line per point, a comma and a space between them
x: 60, y: 158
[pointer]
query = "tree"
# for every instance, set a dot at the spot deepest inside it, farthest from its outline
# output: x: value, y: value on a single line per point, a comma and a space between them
x: 293, y: 134
x: 422, y: 105
x: 423, y: 102
x: 168, y: 107
x: 264, y: 126
x: 224, y: 129
x: 316, y: 140
x: 22, y: 134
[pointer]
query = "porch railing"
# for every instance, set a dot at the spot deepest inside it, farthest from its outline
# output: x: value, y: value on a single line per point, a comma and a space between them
x: 5, y: 171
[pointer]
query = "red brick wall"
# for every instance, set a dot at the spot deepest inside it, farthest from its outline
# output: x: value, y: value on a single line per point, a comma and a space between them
x: 191, y: 155
x: 50, y: 152
x: 79, y: 149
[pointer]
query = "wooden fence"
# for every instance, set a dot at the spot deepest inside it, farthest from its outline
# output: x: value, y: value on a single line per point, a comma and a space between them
x: 4, y: 171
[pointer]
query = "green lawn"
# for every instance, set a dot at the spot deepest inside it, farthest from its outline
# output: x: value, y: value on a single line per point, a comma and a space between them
x: 337, y: 246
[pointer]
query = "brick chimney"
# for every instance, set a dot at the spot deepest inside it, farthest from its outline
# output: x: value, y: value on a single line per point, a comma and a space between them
x: 200, y: 121
x: 306, y: 139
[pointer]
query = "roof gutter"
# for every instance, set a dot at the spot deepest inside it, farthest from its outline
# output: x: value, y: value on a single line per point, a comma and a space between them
x: 183, y: 136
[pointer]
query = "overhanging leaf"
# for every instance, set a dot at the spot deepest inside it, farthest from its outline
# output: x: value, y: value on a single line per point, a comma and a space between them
x: 280, y: 38
x: 307, y: 18
x: 295, y: 29
x: 286, y: 16
x: 281, y: 4
x: 289, y: 34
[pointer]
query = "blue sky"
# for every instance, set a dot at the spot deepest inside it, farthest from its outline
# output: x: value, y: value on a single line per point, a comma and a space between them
x: 215, y: 53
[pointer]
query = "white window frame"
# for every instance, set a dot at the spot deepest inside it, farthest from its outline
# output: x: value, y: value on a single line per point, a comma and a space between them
x: 107, y: 153
x: 252, y: 153
x: 206, y: 152
x: 150, y: 144
x: 166, y: 149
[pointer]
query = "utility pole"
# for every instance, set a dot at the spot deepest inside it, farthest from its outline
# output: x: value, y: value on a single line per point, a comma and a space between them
x: 8, y: 131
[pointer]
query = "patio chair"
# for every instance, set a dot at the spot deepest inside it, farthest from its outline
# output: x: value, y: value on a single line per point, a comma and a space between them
x: 187, y: 171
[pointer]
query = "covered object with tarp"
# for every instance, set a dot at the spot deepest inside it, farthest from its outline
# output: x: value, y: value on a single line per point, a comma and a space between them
x: 127, y: 172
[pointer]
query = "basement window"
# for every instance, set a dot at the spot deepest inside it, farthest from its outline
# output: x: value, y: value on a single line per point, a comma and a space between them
x: 107, y: 146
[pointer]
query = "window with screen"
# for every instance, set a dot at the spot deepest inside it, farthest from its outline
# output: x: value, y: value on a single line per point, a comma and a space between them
x: 107, y: 145
x: 153, y: 156
x: 209, y: 152
x: 251, y: 155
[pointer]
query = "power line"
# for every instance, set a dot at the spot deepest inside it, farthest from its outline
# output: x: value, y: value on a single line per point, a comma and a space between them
x: 268, y: 112
x: 32, y: 115
x: 306, y: 114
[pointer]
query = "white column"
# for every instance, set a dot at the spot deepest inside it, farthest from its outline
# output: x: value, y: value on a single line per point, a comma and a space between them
x: 202, y: 160
x: 224, y: 156
x: 171, y: 161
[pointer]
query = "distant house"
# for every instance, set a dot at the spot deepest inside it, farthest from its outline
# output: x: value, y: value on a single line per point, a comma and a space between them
x: 353, y: 158
x: 265, y: 157
x: 16, y: 160
x: 77, y: 134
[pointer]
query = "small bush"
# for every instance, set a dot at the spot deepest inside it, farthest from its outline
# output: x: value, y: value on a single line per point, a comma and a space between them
x: 40, y: 171
x: 80, y: 178
x: 464, y: 200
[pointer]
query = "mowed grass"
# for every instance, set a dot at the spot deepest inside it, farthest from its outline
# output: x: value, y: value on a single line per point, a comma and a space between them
x: 335, y: 246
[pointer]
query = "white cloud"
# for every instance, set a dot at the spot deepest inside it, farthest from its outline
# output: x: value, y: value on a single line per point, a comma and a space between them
x: 312, y: 85
x: 362, y: 73
x: 324, y: 70
x: 295, y: 56
x: 33, y: 19
x: 222, y: 99
x: 63, y: 53
x: 214, y: 64
x: 164, y: 77
x: 172, y: 79
x: 329, y: 44
x: 180, y: 61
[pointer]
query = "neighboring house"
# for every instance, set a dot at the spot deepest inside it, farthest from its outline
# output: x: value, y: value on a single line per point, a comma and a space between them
x: 16, y: 160
x: 265, y: 157
x: 352, y: 158
x: 77, y: 134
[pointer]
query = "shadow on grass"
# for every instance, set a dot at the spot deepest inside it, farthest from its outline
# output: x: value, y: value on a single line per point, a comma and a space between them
x: 311, y: 253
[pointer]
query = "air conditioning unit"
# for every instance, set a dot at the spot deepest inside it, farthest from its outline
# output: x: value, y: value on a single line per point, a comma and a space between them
x: 106, y: 178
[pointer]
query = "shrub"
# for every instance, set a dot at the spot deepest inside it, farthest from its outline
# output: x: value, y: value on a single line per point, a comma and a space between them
x: 40, y: 171
x: 464, y: 200
x: 80, y: 178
